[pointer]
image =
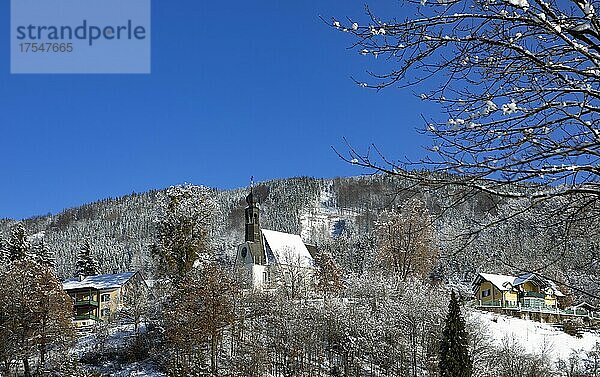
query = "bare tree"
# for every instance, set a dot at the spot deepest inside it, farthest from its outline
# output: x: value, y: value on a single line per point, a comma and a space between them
x: 36, y: 315
x: 203, y: 307
x: 329, y: 276
x: 292, y: 273
x: 405, y: 240
x: 516, y: 83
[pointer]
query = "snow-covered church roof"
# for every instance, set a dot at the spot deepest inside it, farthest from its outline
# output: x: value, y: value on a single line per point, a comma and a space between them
x: 285, y: 248
x: 98, y: 281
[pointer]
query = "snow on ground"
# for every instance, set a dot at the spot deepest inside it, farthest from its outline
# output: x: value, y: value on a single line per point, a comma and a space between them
x: 533, y: 335
x: 116, y: 339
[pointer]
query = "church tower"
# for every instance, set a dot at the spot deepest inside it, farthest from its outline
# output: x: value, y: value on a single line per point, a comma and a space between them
x: 254, y: 237
x: 252, y: 219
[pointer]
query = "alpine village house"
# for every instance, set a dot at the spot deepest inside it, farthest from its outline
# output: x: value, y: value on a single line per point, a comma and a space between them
x: 99, y: 297
x: 527, y: 295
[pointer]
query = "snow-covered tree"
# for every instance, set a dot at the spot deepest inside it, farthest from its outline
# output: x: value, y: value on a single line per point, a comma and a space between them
x: 515, y: 110
x: 405, y: 240
x: 87, y: 264
x: 455, y: 360
x: 183, y: 229
x: 18, y: 245
x: 517, y: 81
x: 42, y: 254
x: 35, y: 316
x: 202, y: 308
x: 3, y: 251
x: 329, y: 276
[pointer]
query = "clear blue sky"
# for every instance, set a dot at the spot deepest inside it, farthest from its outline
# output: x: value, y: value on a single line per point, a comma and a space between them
x: 237, y: 88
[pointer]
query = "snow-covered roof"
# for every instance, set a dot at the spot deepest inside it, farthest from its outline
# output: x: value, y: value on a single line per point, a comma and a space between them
x: 504, y: 282
x: 99, y: 281
x: 523, y: 278
x: 499, y: 281
x: 285, y: 248
x: 584, y: 305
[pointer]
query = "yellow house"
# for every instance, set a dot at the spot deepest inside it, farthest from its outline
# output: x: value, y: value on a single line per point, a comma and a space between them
x: 99, y: 297
x: 524, y: 291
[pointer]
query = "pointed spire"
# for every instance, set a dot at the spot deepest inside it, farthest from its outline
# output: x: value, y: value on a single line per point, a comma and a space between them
x: 250, y: 198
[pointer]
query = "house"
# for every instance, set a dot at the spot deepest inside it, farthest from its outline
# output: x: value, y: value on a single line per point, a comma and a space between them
x: 98, y: 297
x: 267, y: 256
x: 584, y: 309
x: 524, y: 291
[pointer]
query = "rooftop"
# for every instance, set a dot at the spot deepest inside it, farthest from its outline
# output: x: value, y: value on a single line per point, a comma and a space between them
x: 98, y: 281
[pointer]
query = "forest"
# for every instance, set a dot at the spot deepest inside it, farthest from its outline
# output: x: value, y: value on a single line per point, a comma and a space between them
x: 390, y: 255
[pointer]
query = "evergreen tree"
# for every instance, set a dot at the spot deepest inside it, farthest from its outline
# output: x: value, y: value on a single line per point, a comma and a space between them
x: 42, y: 254
x: 86, y: 264
x: 18, y: 245
x: 454, y: 352
x: 3, y: 252
x: 182, y: 236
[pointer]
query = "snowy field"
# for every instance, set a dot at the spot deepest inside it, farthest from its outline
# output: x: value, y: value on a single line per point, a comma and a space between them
x: 535, y: 336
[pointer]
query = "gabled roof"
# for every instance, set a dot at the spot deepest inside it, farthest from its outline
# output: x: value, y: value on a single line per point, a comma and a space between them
x: 505, y: 282
x: 285, y: 248
x: 524, y: 278
x: 99, y: 281
x: 584, y: 305
x: 502, y: 282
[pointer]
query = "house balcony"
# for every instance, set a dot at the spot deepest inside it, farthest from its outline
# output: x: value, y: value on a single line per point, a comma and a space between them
x: 84, y: 303
x: 83, y: 317
x: 534, y: 294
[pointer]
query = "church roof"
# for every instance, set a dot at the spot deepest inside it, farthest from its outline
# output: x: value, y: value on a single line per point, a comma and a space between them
x: 285, y: 248
x: 99, y: 281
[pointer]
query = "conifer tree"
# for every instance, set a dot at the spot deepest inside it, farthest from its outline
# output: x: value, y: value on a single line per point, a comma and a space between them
x: 18, y: 245
x: 86, y: 264
x: 454, y: 347
x: 3, y: 251
x: 42, y: 254
x: 183, y: 230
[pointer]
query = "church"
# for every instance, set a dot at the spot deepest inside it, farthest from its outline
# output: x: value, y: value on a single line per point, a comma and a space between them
x: 269, y: 258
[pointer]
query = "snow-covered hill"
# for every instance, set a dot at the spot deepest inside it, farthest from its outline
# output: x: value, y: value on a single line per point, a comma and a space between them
x: 534, y: 337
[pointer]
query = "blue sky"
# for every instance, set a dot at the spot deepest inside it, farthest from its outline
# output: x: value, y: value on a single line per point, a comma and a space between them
x: 237, y: 89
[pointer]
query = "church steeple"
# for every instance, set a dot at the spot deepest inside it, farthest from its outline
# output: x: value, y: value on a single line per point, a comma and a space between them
x: 253, y: 233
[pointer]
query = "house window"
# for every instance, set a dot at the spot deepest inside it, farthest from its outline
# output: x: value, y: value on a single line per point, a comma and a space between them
x: 265, y: 277
x: 105, y: 297
x: 485, y: 293
x: 105, y: 312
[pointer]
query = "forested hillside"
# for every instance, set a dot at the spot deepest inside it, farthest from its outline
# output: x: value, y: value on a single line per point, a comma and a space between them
x: 339, y: 215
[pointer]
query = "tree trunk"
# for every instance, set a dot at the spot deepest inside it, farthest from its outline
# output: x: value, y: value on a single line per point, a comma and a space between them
x: 26, y: 367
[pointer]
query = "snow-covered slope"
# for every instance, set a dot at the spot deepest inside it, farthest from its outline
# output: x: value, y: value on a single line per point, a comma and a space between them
x: 534, y: 336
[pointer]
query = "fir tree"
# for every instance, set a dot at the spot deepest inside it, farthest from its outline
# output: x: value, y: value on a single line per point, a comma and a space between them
x: 183, y: 230
x: 42, y: 254
x: 454, y: 352
x: 18, y: 245
x: 3, y: 252
x: 86, y: 264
